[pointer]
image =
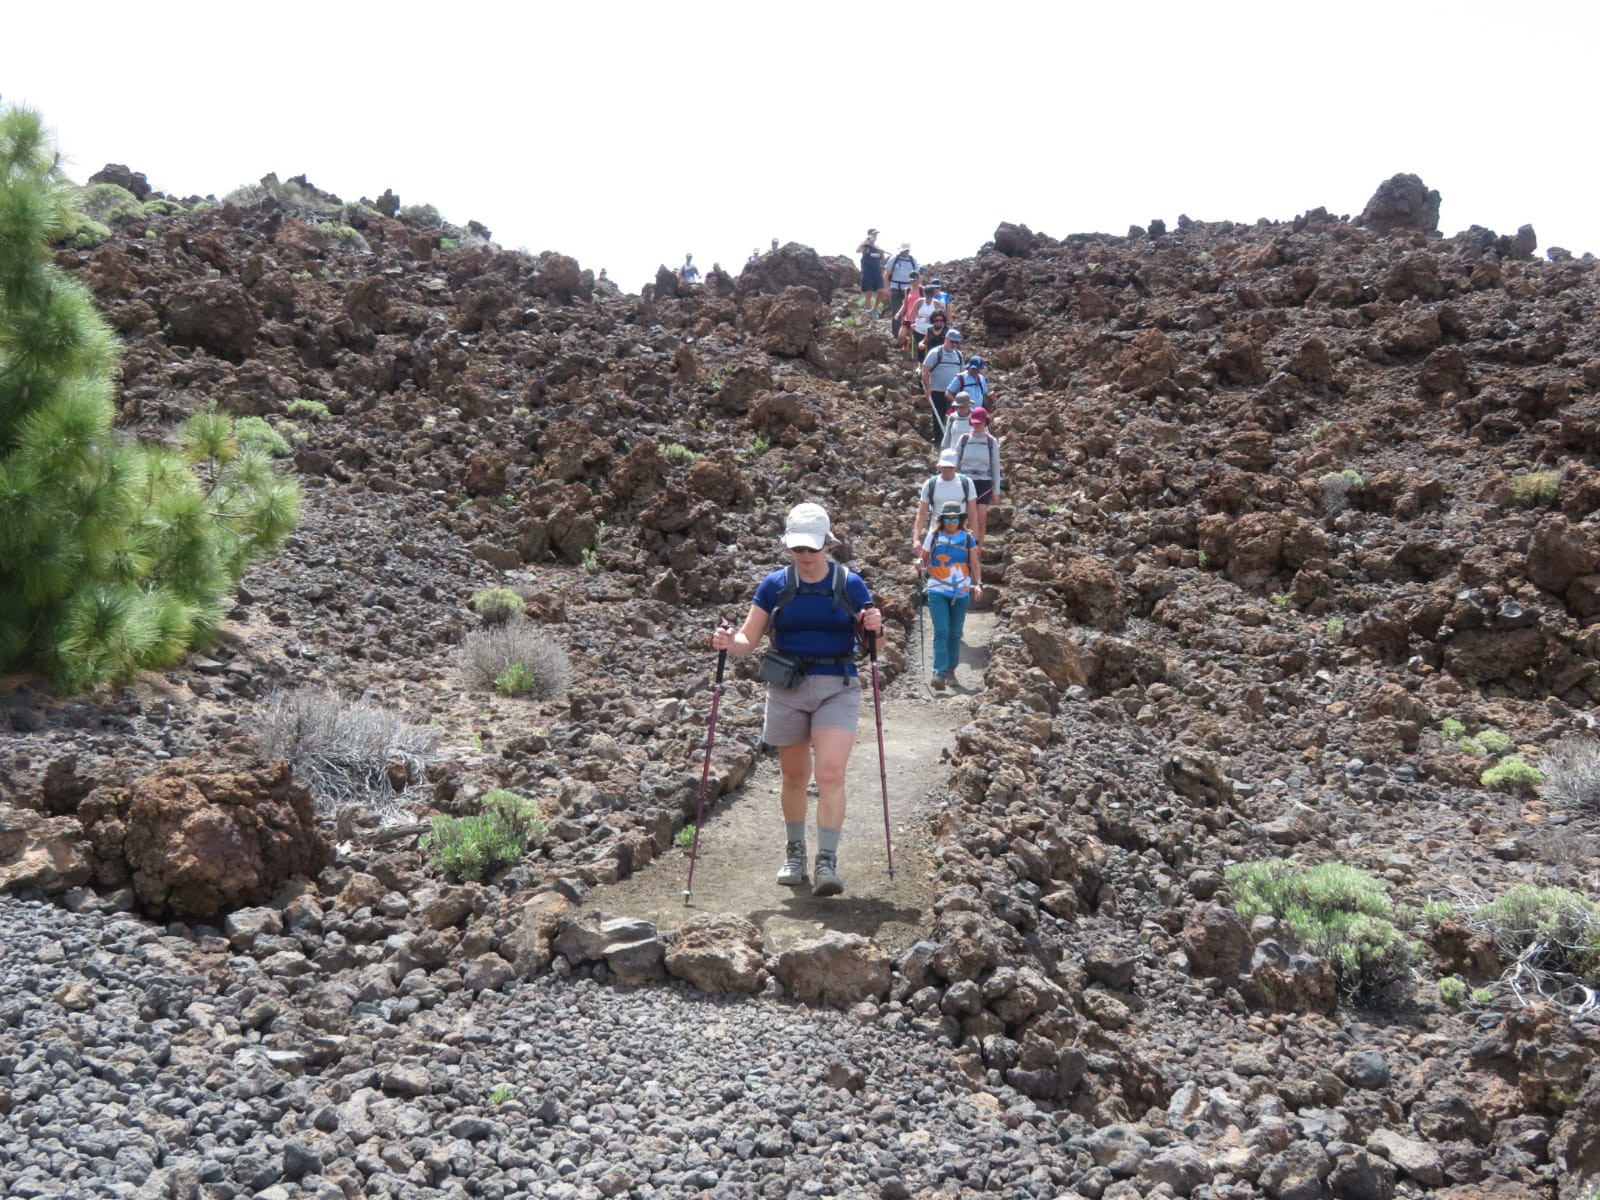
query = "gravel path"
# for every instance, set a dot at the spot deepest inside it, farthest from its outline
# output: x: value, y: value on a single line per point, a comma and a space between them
x: 138, y: 1064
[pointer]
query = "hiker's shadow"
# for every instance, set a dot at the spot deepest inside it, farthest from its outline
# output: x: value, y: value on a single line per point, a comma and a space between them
x: 850, y: 914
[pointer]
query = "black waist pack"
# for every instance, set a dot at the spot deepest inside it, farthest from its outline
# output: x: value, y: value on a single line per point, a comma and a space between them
x: 782, y: 670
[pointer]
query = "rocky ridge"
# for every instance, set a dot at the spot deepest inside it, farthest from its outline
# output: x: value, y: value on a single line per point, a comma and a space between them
x: 1262, y: 537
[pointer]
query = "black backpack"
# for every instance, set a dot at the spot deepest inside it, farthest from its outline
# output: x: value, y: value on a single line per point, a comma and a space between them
x: 968, y: 492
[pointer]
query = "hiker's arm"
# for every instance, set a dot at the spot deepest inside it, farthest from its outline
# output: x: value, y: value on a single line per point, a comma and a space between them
x: 975, y: 556
x: 927, y: 375
x: 746, y: 638
x: 994, y: 456
x: 918, y: 528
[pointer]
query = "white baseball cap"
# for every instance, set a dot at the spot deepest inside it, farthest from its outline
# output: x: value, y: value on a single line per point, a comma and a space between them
x: 808, y: 526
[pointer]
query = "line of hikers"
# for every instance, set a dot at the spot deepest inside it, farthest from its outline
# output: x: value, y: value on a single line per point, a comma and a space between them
x: 816, y: 611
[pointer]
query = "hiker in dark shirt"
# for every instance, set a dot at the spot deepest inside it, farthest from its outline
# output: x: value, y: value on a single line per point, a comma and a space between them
x: 875, y: 296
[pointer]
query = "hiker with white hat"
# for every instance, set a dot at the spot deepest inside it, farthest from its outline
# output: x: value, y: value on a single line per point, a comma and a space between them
x: 955, y: 579
x: 902, y: 271
x: 874, y: 293
x: 813, y: 609
x: 944, y: 486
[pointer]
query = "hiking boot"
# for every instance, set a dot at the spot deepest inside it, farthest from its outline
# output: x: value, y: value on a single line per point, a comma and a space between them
x: 827, y: 878
x: 794, y: 865
x: 937, y: 682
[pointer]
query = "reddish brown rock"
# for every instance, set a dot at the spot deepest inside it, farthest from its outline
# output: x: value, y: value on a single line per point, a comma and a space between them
x: 1402, y: 202
x: 718, y: 952
x: 46, y: 854
x: 197, y: 840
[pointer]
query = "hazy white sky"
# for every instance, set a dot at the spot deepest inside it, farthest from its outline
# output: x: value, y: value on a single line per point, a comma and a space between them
x: 626, y: 134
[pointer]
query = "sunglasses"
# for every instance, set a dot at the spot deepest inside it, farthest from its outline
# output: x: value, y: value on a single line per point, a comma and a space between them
x: 803, y: 550
x: 949, y: 518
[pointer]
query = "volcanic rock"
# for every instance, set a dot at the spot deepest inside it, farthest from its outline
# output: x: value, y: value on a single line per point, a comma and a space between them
x: 1402, y: 202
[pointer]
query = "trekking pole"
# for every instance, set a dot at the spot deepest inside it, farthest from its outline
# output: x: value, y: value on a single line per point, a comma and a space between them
x: 938, y: 425
x: 921, y: 603
x: 705, y: 771
x: 883, y: 770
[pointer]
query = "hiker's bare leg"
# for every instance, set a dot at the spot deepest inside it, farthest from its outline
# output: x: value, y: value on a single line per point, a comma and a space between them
x: 795, y: 762
x: 832, y: 755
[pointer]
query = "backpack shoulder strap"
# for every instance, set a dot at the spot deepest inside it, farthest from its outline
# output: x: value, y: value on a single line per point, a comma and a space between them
x: 841, y: 593
x: 791, y: 586
x: 968, y: 489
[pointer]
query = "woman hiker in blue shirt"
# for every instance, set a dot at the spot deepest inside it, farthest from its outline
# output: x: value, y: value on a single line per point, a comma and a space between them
x: 955, y: 578
x: 813, y: 722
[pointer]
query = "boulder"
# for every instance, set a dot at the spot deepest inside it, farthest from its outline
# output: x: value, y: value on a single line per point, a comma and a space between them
x: 789, y: 321
x: 1093, y: 593
x: 46, y: 854
x: 122, y: 177
x: 789, y: 266
x: 213, y: 314
x: 1402, y: 202
x: 1410, y: 1156
x: 1285, y: 981
x: 837, y: 968
x: 1559, y: 554
x: 718, y: 952
x: 1014, y: 241
x: 199, y: 839
x: 1217, y: 943
x: 1147, y: 365
x: 559, y: 277
x: 1051, y: 648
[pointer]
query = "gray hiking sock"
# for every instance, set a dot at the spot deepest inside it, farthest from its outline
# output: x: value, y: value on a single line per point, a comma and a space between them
x: 828, y: 840
x: 795, y: 831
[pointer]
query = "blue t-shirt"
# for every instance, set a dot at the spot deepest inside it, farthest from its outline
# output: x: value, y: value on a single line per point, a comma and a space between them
x: 810, y: 625
x: 974, y: 383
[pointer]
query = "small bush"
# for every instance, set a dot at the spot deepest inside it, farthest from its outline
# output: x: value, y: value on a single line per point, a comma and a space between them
x: 421, y: 214
x: 1548, y: 928
x: 1436, y: 911
x: 1281, y: 600
x: 1336, y: 489
x: 253, y: 433
x: 477, y: 846
x: 1572, y: 774
x: 1535, y: 489
x: 311, y: 410
x: 343, y: 235
x: 1511, y: 774
x: 109, y: 203
x: 486, y: 653
x: 344, y: 750
x: 1340, y: 912
x: 685, y: 838
x: 1335, y: 629
x: 1493, y: 741
x: 1453, y: 991
x: 447, y: 243
x: 87, y: 234
x: 516, y: 680
x: 163, y: 208
x: 675, y: 452
x: 760, y: 445
x: 497, y: 605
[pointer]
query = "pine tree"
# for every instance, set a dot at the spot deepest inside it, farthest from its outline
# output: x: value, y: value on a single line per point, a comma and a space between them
x: 114, y: 556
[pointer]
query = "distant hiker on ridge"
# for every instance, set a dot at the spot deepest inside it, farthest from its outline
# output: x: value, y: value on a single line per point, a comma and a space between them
x: 689, y: 273
x: 813, y: 609
x: 874, y: 295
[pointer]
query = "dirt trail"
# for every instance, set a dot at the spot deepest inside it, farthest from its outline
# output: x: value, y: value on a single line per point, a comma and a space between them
x: 741, y: 843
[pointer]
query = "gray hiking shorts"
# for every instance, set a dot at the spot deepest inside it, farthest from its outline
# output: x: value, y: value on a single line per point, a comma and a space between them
x: 819, y: 702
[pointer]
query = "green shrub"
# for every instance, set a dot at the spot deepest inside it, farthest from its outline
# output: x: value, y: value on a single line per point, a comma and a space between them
x: 421, y: 214
x: 1493, y: 741
x: 1453, y: 991
x: 1339, y: 912
x: 1547, y: 927
x: 501, y: 1094
x: 1451, y: 730
x: 253, y: 433
x: 109, y: 203
x: 158, y: 207
x: 477, y: 846
x: 87, y: 234
x: 311, y: 410
x: 114, y: 556
x: 343, y: 235
x: 1511, y: 774
x: 487, y: 653
x: 1436, y: 911
x: 498, y: 605
x: 676, y: 452
x: 685, y: 838
x: 1281, y: 600
x: 447, y: 243
x: 760, y: 445
x: 1335, y: 629
x: 1535, y: 489
x: 516, y: 680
